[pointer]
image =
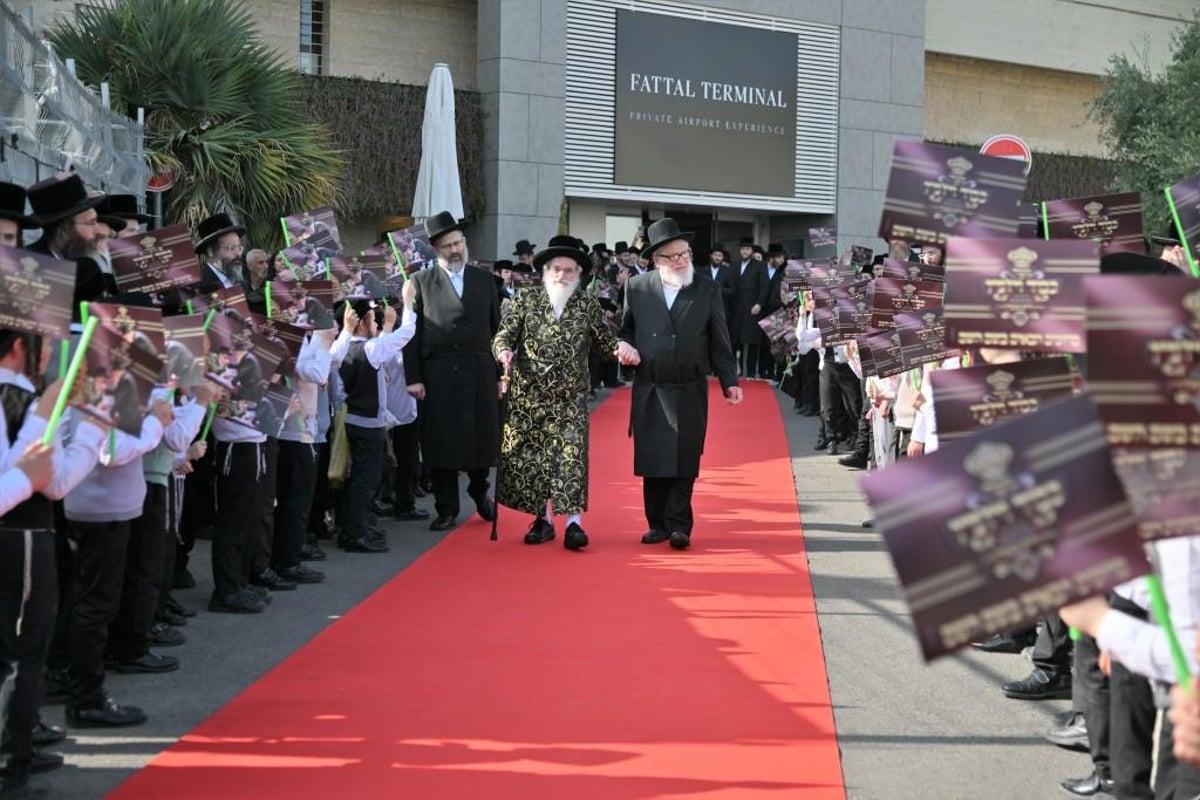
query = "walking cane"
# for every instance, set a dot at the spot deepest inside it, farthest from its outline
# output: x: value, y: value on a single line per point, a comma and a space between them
x: 504, y: 381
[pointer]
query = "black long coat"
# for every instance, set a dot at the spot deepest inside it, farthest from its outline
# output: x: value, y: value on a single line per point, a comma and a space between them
x: 451, y: 354
x: 679, y: 348
x: 750, y: 289
x: 724, y: 279
x: 774, y: 300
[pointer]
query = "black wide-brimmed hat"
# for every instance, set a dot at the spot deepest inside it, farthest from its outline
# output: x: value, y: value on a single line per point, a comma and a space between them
x: 214, y: 228
x: 562, y: 246
x: 775, y: 249
x: 621, y: 247
x: 661, y: 232
x: 1169, y: 237
x: 600, y: 247
x: 12, y: 205
x: 524, y: 248
x: 1122, y: 263
x: 503, y: 263
x: 124, y: 206
x: 746, y: 241
x: 440, y: 224
x: 56, y: 199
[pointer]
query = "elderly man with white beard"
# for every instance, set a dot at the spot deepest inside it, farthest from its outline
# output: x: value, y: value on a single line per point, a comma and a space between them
x: 674, y: 329
x: 544, y: 339
x: 449, y: 365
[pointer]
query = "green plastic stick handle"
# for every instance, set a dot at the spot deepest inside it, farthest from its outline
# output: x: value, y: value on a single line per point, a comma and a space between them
x: 212, y: 412
x: 1187, y: 247
x: 60, y: 405
x: 1074, y: 635
x: 212, y: 314
x: 1162, y: 615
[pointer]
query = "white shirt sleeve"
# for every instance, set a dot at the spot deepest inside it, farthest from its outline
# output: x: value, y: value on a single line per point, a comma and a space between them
x: 337, y: 353
x: 183, y: 429
x: 15, y: 489
x: 383, y: 349
x: 1142, y: 647
x: 130, y: 447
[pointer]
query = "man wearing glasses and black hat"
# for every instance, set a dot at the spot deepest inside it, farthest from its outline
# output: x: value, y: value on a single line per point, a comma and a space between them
x: 67, y: 215
x: 219, y: 245
x: 449, y: 366
x: 674, y: 332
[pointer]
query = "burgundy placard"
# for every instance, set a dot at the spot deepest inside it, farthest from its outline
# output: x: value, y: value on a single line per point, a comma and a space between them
x: 304, y: 303
x: 186, y: 350
x: 884, y: 349
x: 1164, y: 487
x: 896, y: 296
x: 155, y: 262
x: 118, y: 375
x: 139, y: 325
x: 911, y: 271
x: 36, y: 292
x: 1114, y: 221
x: 1185, y: 208
x: 990, y: 532
x: 304, y: 263
x: 822, y: 237
x: 413, y: 248
x: 1017, y: 294
x: 318, y: 227
x: 922, y: 338
x: 966, y: 400
x: 935, y: 192
x: 1143, y: 365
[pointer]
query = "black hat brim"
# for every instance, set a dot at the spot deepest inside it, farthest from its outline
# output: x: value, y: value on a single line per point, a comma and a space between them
x: 1166, y: 241
x: 24, y: 222
x: 43, y: 220
x: 650, y: 249
x: 578, y: 256
x: 212, y: 237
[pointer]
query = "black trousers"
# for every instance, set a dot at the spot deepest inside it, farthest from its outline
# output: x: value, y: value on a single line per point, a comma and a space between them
x: 668, y: 503
x: 23, y: 650
x: 297, y: 474
x: 1052, y: 649
x: 321, y: 493
x: 175, y: 490
x: 1131, y: 733
x: 143, y: 576
x: 1175, y: 780
x: 101, y: 553
x: 810, y: 381
x: 1090, y: 694
x: 257, y: 557
x: 59, y: 657
x: 857, y: 426
x: 239, y: 503
x: 406, y: 446
x: 445, y: 488
x: 835, y: 416
x: 199, y: 503
x: 367, y: 449
x: 748, y: 358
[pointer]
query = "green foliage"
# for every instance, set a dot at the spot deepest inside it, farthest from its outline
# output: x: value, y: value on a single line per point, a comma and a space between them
x: 377, y: 125
x: 223, y: 110
x: 1055, y: 176
x: 1148, y: 122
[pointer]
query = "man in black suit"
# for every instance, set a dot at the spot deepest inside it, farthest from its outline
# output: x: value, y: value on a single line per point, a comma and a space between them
x: 219, y: 247
x: 449, y: 365
x: 750, y: 295
x: 720, y: 271
x: 776, y: 258
x: 70, y: 224
x: 674, y: 332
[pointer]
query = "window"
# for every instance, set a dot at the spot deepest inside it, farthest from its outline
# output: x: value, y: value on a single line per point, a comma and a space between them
x: 312, y: 37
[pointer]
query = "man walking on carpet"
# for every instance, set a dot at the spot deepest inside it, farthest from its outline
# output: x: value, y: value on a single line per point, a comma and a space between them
x: 545, y: 336
x: 675, y: 323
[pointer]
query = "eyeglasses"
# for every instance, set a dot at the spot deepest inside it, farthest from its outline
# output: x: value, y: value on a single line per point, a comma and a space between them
x: 567, y: 270
x: 451, y: 245
x: 231, y: 248
x: 675, y: 258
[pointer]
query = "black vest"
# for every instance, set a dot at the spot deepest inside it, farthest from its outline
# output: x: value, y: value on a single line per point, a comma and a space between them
x: 361, y: 382
x: 36, y: 513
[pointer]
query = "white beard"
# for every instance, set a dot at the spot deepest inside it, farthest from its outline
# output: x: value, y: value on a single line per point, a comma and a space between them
x: 454, y: 266
x: 671, y: 278
x: 559, y: 295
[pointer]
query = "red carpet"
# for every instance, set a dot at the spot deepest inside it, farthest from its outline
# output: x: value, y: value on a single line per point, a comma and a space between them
x: 499, y: 670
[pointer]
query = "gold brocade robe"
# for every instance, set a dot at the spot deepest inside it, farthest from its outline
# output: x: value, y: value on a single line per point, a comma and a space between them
x: 544, y: 444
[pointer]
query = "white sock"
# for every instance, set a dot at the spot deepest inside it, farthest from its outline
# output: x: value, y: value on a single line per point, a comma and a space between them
x: 576, y: 519
x: 549, y: 515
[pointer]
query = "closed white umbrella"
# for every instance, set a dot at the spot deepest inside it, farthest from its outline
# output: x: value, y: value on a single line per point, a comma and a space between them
x: 437, y: 178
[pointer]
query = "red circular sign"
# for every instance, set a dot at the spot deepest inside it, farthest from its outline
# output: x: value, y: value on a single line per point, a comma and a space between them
x: 160, y: 182
x: 1008, y: 146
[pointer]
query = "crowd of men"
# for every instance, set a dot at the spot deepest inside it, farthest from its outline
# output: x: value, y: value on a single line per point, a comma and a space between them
x: 97, y: 528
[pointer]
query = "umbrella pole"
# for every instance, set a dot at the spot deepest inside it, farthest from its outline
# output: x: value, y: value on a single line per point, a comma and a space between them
x: 504, y: 381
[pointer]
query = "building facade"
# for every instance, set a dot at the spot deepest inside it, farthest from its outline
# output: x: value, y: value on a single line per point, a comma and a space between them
x: 572, y: 136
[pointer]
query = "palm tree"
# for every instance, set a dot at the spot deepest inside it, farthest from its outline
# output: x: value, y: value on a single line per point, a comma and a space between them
x: 222, y: 110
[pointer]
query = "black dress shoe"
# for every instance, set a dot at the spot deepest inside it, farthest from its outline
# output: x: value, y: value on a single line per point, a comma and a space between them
x: 301, y: 573
x: 169, y: 617
x: 1000, y: 643
x: 654, y: 536
x: 148, y: 664
x: 853, y: 461
x: 822, y: 444
x: 835, y: 447
x: 869, y: 523
x: 311, y: 551
x: 575, y: 538
x: 365, y: 545
x: 1070, y: 732
x: 183, y: 579
x: 56, y: 688
x: 269, y: 579
x: 163, y: 635
x: 44, y: 761
x: 1091, y: 786
x: 381, y: 509
x: 411, y: 514
x: 540, y: 530
x: 175, y: 607
x: 104, y: 713
x: 237, y: 603
x: 485, y: 508
x: 442, y: 523
x: 1040, y: 685
x: 680, y: 540
x: 44, y: 735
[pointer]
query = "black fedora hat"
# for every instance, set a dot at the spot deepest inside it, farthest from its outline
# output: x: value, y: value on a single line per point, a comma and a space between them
x: 56, y: 199
x: 562, y: 246
x: 600, y: 247
x: 524, y: 248
x: 775, y: 249
x: 12, y: 205
x: 746, y: 241
x: 1169, y: 238
x: 661, y: 232
x: 503, y: 263
x: 440, y: 224
x: 621, y: 247
x: 1124, y: 263
x: 124, y: 206
x: 214, y: 228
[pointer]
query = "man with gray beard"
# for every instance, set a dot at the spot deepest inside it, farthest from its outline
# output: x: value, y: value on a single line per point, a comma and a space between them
x: 448, y: 365
x: 544, y: 338
x: 674, y: 332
